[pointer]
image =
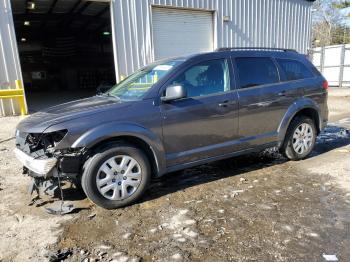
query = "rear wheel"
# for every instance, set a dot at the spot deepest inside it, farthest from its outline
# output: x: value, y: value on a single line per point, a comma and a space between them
x: 300, y: 138
x: 116, y: 176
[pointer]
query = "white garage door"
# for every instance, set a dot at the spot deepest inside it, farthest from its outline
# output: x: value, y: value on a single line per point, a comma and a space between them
x: 179, y: 32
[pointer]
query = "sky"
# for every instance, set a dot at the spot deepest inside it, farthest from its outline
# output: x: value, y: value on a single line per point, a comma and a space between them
x: 346, y: 11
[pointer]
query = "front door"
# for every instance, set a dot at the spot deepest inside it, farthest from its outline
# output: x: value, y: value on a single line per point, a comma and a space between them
x: 205, y: 123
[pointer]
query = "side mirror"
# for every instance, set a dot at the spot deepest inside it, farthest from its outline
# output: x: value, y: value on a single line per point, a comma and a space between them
x: 174, y: 92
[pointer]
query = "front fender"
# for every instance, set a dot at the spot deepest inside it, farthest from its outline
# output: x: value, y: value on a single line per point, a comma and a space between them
x: 112, y: 130
x: 296, y: 107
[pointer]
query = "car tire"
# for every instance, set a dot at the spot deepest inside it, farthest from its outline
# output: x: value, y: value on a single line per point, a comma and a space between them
x: 300, y: 138
x: 104, y: 171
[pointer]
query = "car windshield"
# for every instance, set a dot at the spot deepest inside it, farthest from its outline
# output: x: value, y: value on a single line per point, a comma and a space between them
x: 135, y: 86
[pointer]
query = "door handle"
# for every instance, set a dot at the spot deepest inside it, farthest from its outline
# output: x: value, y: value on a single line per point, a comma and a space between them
x: 226, y: 103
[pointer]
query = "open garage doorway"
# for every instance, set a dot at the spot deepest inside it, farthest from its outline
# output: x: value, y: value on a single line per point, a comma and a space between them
x: 65, y: 49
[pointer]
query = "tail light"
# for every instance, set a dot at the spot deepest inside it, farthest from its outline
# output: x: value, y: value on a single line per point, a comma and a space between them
x: 325, y: 85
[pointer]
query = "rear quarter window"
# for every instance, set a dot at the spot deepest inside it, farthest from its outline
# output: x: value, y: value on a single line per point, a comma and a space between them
x: 294, y: 70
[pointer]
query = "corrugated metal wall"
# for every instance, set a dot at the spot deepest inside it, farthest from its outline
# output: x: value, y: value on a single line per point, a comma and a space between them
x: 266, y: 23
x: 10, y: 69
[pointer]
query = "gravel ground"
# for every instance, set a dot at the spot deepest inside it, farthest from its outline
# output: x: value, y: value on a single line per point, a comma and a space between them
x: 252, y: 208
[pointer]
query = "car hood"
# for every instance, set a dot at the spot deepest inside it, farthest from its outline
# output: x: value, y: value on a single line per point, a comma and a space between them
x: 42, y: 120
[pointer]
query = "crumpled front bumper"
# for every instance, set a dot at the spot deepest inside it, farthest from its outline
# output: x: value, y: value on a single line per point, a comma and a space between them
x: 38, y: 166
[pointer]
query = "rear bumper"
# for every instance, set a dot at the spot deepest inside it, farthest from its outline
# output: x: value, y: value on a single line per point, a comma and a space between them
x: 38, y: 166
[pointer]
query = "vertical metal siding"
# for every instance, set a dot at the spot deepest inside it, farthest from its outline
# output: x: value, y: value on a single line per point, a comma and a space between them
x: 180, y: 32
x: 10, y: 69
x: 266, y: 23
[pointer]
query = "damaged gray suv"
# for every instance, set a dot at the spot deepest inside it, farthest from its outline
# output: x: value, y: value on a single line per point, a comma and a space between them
x: 175, y: 114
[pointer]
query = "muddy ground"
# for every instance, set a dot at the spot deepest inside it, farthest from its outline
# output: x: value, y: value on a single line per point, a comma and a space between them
x: 253, y: 208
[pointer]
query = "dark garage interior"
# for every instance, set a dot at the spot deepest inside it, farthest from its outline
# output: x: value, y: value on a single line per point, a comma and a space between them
x: 65, y: 49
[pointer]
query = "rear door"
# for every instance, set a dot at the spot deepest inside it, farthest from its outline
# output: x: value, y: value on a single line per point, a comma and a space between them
x: 263, y: 99
x: 276, y: 99
x: 205, y: 123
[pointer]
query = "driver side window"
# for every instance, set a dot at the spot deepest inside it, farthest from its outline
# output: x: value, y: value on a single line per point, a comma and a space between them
x: 205, y: 78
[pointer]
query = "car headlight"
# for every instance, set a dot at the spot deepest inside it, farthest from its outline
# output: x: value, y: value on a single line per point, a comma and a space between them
x: 45, y: 141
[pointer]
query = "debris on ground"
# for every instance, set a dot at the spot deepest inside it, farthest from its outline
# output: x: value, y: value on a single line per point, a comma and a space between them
x: 58, y: 256
x: 62, y: 209
x: 83, y: 252
x: 91, y: 216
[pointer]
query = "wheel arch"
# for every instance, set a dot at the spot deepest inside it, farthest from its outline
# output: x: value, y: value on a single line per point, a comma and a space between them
x: 130, y: 133
x: 306, y: 107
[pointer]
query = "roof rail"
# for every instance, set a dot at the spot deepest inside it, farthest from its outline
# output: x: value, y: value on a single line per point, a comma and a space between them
x: 255, y: 48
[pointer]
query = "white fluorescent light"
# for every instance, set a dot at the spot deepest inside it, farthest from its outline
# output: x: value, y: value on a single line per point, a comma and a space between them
x: 30, y: 5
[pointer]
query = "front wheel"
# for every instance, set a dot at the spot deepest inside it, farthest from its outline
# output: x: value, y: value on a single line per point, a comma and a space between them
x: 116, y: 176
x: 300, y: 138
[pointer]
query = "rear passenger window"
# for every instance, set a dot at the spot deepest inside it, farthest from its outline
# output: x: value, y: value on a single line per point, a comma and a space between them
x: 255, y: 71
x: 294, y: 70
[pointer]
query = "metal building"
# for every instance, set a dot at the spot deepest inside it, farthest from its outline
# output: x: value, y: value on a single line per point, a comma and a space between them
x: 143, y: 31
x: 146, y: 30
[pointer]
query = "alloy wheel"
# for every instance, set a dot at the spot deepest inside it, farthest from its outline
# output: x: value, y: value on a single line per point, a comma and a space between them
x: 119, y: 177
x: 303, y: 138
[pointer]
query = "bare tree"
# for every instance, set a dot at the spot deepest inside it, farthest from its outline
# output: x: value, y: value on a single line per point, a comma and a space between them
x: 328, y: 21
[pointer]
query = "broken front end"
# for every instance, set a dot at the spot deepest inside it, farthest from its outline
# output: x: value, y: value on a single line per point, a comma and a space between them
x: 44, y: 162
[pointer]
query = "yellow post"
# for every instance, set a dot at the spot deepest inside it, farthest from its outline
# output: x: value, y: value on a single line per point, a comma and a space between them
x: 21, y: 99
x: 18, y: 94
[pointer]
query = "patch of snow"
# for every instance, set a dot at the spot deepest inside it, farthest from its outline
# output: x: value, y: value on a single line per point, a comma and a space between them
x: 190, y: 233
x: 330, y: 257
x: 105, y: 247
x: 312, y: 234
x: 288, y: 228
x: 153, y: 230
x: 181, y: 239
x: 176, y: 256
x: 127, y: 235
